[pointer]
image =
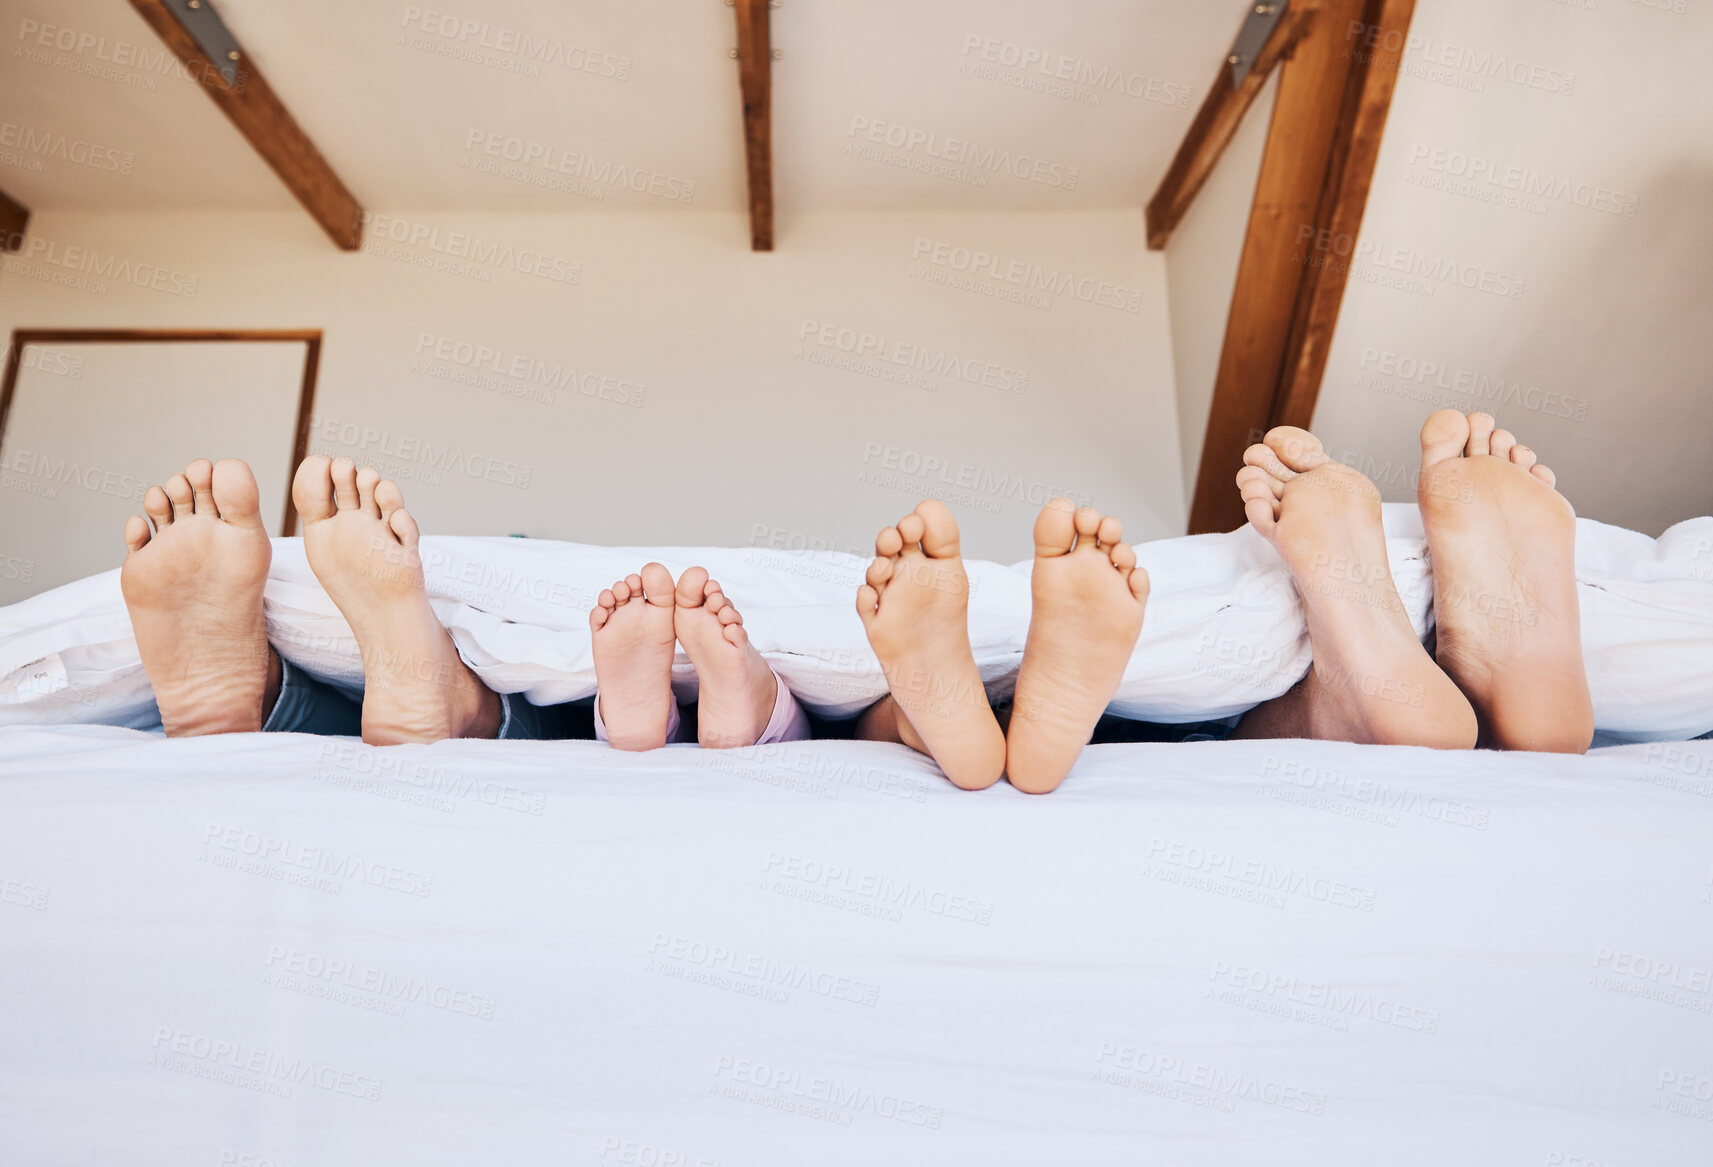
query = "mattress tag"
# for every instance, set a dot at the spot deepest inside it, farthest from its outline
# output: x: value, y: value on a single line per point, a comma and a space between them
x: 38, y: 679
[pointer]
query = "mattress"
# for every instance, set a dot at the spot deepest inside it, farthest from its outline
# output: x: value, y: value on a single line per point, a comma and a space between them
x: 305, y: 952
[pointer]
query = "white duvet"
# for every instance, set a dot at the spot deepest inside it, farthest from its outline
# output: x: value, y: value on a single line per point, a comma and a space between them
x: 305, y: 952
x: 1224, y: 628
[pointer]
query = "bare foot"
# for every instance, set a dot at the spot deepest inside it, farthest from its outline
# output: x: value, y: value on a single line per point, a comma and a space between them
x: 1371, y: 680
x: 634, y: 644
x: 736, y: 689
x: 1088, y: 601
x: 194, y: 591
x: 915, y: 609
x: 1503, y: 543
x: 361, y: 544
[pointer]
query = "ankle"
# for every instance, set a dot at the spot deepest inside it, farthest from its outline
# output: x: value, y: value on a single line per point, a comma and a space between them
x: 482, y: 712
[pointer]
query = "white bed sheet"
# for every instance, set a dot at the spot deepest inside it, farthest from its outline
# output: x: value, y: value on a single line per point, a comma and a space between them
x: 552, y: 953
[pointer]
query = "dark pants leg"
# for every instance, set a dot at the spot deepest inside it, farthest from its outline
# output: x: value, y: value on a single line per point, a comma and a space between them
x: 308, y: 705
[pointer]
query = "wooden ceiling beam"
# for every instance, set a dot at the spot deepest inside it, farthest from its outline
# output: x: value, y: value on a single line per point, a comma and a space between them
x: 250, y: 102
x: 14, y: 217
x: 755, y: 80
x: 1216, y: 123
x: 1318, y: 165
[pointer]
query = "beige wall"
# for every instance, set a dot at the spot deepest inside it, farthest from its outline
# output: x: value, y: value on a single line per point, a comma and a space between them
x: 1586, y: 328
x: 1567, y: 289
x: 654, y: 382
x: 1201, y: 272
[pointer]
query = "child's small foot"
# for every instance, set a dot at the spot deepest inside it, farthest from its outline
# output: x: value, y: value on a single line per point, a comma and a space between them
x: 737, y: 689
x: 634, y: 645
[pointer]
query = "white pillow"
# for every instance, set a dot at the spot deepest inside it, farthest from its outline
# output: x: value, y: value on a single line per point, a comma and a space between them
x: 1224, y: 628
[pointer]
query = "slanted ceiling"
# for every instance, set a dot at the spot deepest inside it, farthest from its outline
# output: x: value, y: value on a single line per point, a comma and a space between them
x: 416, y: 105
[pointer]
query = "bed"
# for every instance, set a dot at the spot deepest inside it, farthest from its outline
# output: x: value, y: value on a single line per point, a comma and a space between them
x: 286, y: 951
x: 302, y: 952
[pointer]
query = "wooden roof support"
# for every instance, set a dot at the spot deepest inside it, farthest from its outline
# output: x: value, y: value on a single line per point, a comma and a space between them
x: 262, y: 118
x: 755, y: 79
x: 1215, y: 123
x: 1322, y: 142
x: 14, y: 217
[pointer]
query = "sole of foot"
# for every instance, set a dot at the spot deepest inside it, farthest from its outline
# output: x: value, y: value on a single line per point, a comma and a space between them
x: 1371, y: 680
x: 193, y: 588
x: 1503, y: 545
x: 736, y: 688
x: 1088, y: 600
x: 634, y: 642
x: 914, y: 606
x: 361, y: 543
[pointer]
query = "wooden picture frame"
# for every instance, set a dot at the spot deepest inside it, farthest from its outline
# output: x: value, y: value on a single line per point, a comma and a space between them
x: 310, y: 338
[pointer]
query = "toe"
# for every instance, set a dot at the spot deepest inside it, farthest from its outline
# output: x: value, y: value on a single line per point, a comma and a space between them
x: 729, y: 614
x: 235, y: 493
x: 388, y: 496
x: 136, y: 532
x: 657, y: 585
x: 868, y: 599
x: 939, y: 529
x: 404, y: 526
x: 879, y: 572
x: 1445, y: 434
x: 1540, y: 471
x: 1256, y: 480
x: 735, y: 634
x: 312, y: 488
x: 1139, y: 584
x: 625, y: 588
x: 1087, y: 522
x: 178, y: 491
x: 345, y: 484
x: 367, y: 479
x: 158, y: 506
x: 1262, y: 495
x: 1480, y: 434
x: 1501, y: 443
x: 1123, y: 556
x: 200, y: 475
x: 1296, y: 448
x: 888, y: 543
x: 1055, y: 528
x: 1261, y: 457
x: 716, y: 604
x: 1110, y: 532
x: 601, y: 611
x: 692, y: 588
x: 1262, y: 513
x: 910, y: 529
x: 1522, y: 457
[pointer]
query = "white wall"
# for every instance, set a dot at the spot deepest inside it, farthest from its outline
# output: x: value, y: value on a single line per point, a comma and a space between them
x: 699, y: 413
x: 1201, y: 273
x: 1592, y: 337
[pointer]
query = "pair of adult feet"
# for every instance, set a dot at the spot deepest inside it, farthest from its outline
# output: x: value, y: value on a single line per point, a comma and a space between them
x: 1088, y: 598
x: 193, y: 586
x: 1507, y: 669
x: 194, y: 583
